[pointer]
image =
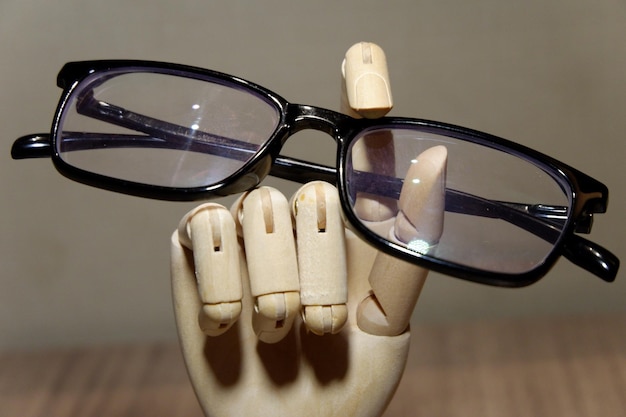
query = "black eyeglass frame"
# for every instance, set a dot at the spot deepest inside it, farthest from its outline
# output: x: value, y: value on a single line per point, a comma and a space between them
x: 588, y: 196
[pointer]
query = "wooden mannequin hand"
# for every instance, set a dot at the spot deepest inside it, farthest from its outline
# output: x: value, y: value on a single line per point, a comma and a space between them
x: 345, y: 372
x: 317, y: 326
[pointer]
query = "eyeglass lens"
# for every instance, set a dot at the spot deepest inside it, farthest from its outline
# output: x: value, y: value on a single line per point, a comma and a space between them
x: 488, y: 209
x: 485, y: 208
x: 164, y: 130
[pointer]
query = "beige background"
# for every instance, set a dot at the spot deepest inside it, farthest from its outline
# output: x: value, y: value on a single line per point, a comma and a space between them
x: 84, y: 266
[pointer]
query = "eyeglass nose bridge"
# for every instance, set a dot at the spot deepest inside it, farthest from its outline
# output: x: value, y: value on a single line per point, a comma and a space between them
x: 302, y: 117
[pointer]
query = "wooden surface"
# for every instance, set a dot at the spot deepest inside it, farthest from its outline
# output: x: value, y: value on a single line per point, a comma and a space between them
x: 555, y: 367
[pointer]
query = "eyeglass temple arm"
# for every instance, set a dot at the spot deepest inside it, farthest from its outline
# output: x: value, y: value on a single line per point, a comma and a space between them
x: 591, y: 257
x: 36, y: 145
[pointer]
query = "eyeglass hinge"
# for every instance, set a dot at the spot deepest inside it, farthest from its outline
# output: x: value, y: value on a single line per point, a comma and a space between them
x: 584, y: 223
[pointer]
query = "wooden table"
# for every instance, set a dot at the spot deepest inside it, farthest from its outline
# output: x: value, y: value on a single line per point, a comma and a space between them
x: 569, y: 367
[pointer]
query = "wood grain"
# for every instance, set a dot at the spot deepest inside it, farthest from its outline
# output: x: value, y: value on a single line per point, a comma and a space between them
x: 574, y: 367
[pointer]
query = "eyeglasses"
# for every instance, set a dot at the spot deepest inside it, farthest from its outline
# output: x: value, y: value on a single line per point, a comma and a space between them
x: 175, y: 132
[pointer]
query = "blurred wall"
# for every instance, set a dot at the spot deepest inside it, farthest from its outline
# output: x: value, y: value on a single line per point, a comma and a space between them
x: 82, y: 266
